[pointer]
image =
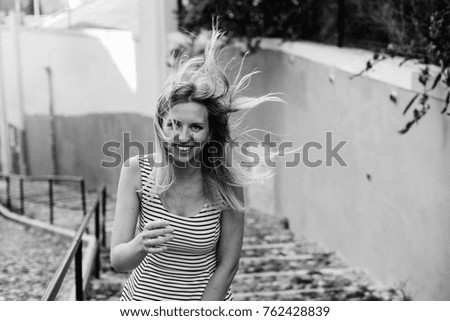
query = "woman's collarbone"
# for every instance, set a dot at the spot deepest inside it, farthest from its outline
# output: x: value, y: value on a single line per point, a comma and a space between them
x: 184, y: 203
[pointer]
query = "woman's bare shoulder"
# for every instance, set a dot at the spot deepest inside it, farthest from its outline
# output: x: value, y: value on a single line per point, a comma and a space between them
x: 131, y: 172
x: 134, y: 163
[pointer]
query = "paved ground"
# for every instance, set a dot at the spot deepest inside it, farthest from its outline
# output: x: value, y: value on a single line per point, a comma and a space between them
x: 28, y: 259
x: 273, y: 266
x: 29, y: 256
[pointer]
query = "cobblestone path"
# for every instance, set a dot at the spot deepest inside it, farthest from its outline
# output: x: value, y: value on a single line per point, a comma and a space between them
x: 29, y: 256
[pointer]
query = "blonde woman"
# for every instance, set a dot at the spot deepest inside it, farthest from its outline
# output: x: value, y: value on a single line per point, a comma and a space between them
x: 186, y: 199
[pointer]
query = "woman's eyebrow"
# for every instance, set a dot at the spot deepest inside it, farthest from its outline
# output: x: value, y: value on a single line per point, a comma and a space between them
x: 191, y: 123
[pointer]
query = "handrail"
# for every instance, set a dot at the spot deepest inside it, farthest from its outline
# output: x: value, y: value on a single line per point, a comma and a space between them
x: 76, y: 250
x: 44, y: 178
x: 51, y: 179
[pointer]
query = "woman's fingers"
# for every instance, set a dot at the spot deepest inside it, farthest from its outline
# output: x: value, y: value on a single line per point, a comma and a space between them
x: 156, y: 224
x: 155, y: 234
x: 155, y: 245
x: 156, y: 249
x: 157, y: 241
x: 158, y: 232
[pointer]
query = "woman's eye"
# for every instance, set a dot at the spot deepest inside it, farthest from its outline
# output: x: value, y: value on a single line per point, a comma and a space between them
x: 196, y: 128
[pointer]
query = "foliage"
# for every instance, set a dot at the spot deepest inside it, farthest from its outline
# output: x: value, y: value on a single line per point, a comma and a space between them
x: 251, y: 20
x: 314, y: 20
x: 421, y: 31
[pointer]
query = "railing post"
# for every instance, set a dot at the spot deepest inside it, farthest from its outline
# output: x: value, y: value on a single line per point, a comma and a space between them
x: 83, y: 197
x: 50, y: 196
x: 97, y: 238
x: 8, y: 193
x: 104, y: 195
x: 79, y: 273
x: 22, y: 200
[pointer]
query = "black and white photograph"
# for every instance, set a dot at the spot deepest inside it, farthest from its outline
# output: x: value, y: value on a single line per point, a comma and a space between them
x: 229, y: 150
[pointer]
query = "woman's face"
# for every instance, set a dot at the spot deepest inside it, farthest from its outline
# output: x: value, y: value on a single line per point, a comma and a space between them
x: 187, y: 129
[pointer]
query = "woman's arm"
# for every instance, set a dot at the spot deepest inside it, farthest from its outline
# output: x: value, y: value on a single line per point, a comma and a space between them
x: 228, y: 253
x: 128, y: 250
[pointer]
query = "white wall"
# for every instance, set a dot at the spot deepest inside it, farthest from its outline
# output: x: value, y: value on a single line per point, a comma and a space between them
x: 95, y: 97
x: 388, y: 210
x: 93, y: 72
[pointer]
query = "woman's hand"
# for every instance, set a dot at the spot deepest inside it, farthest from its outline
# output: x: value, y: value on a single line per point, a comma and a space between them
x: 155, y: 235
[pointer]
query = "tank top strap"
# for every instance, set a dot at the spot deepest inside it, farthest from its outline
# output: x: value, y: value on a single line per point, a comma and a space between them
x: 146, y: 171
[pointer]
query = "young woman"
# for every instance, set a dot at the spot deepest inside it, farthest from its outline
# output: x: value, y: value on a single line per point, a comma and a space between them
x: 186, y: 199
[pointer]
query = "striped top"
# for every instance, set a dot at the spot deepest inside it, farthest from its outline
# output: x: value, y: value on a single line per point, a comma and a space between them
x: 184, y: 269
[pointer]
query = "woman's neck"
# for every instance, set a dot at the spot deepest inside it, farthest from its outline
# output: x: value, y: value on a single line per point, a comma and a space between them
x: 186, y: 171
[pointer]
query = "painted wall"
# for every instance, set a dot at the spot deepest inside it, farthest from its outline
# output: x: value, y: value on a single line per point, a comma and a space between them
x: 89, y: 72
x: 388, y: 210
x: 94, y: 86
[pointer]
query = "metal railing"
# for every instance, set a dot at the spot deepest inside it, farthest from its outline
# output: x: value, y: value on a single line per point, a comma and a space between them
x: 51, y: 179
x: 75, y: 251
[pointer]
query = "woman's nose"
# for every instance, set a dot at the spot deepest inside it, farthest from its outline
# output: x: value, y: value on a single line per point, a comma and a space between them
x: 183, y: 135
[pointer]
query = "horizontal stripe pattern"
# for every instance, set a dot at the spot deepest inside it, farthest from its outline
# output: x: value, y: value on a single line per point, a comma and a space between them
x: 183, y: 271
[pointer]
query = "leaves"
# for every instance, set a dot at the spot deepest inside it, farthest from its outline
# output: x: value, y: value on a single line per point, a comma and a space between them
x: 407, y: 127
x: 447, y: 101
x: 410, y: 103
x: 436, y: 81
x: 423, y: 99
x: 377, y: 57
x: 424, y: 75
x: 424, y: 38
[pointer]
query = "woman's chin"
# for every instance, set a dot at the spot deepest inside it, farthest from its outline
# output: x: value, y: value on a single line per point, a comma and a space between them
x: 187, y: 160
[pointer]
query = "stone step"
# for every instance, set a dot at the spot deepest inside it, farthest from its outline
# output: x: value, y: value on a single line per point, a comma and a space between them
x: 107, y: 288
x: 299, y: 279
x: 325, y: 271
x: 279, y: 249
x: 268, y: 239
x: 331, y: 294
x: 357, y: 292
x: 289, y: 263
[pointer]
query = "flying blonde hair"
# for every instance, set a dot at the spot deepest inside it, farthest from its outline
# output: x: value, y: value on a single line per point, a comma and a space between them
x: 204, y: 80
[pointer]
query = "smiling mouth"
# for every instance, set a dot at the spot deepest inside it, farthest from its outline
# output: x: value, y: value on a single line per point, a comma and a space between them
x: 183, y: 148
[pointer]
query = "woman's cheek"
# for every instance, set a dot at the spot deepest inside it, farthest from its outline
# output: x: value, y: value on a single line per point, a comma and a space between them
x: 201, y: 136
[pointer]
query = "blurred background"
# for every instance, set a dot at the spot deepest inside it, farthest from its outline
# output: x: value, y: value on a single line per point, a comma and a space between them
x: 76, y: 74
